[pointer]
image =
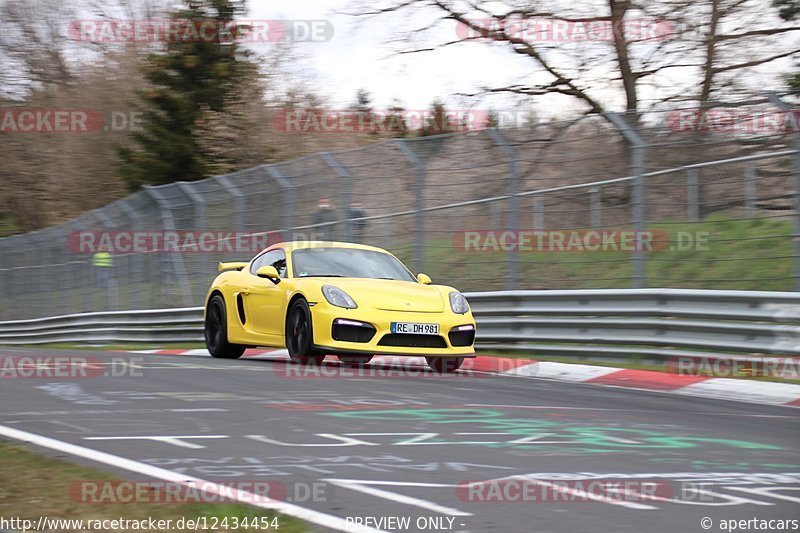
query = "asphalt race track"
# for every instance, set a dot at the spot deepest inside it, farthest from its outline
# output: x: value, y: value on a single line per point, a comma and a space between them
x: 401, y: 443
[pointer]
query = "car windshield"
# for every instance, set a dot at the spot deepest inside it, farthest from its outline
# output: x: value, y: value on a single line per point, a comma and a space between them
x: 347, y: 263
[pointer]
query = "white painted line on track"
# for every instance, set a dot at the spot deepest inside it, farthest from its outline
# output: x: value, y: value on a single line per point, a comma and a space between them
x: 395, y: 497
x: 176, y: 440
x: 590, y: 496
x: 309, y: 515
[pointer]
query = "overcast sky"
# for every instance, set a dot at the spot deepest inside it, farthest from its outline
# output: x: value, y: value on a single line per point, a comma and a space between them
x: 360, y: 56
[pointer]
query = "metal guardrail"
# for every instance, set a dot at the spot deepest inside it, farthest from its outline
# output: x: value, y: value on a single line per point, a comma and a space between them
x: 652, y: 323
x: 151, y: 325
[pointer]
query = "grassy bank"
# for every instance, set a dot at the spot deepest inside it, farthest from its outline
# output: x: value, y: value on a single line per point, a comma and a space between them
x: 37, y: 485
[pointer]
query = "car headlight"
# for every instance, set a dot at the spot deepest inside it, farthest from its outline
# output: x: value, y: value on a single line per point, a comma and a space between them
x: 458, y: 303
x: 338, y: 297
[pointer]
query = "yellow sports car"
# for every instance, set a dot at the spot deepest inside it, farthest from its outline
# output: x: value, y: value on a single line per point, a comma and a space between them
x: 330, y: 298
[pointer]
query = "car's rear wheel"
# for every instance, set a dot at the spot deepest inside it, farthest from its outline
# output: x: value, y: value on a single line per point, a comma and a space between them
x: 444, y: 365
x: 355, y: 360
x: 299, y: 335
x: 216, y: 331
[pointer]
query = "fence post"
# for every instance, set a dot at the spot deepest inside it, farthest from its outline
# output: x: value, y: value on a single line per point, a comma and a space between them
x: 137, y: 260
x: 196, y: 264
x: 419, y: 221
x: 176, y: 259
x: 794, y: 122
x: 198, y: 204
x: 345, y: 193
x: 513, y: 213
x: 40, y: 282
x: 639, y: 193
x: 83, y: 280
x: 538, y: 212
x: 5, y: 279
x: 750, y: 189
x: 238, y: 200
x: 596, y: 202
x: 111, y: 289
x: 693, y: 195
x: 287, y: 195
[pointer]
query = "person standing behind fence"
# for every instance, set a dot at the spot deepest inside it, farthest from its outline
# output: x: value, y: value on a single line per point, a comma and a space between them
x: 324, y: 215
x: 103, y: 263
x: 356, y: 226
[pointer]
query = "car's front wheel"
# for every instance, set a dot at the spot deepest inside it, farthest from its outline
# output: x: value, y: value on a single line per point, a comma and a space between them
x: 444, y: 365
x: 216, y: 331
x: 299, y: 335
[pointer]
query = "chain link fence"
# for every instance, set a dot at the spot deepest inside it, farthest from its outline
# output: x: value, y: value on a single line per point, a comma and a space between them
x: 677, y: 198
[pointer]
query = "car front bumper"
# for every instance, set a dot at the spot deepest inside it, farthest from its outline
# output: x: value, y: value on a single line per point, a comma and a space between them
x: 324, y: 315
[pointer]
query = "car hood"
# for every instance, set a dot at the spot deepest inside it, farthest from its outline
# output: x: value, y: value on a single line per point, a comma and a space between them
x: 391, y: 295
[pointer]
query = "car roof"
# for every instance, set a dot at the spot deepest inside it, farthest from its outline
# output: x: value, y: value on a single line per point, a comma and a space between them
x: 298, y: 245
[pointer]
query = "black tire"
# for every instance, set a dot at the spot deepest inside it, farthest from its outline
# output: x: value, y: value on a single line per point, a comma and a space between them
x: 300, y: 335
x: 216, y: 331
x: 355, y: 360
x: 444, y: 365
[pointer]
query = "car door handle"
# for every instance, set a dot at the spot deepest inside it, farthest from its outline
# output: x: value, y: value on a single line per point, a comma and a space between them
x: 245, y: 291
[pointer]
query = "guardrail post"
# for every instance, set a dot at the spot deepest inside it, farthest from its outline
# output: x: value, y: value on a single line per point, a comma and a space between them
x: 639, y: 193
x: 419, y: 221
x: 512, y: 222
x: 287, y: 196
x: 345, y: 193
x: 693, y: 196
x: 176, y: 260
x: 794, y: 122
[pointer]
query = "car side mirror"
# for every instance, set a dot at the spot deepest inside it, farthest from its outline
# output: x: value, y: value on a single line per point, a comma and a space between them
x: 269, y: 272
x: 424, y: 279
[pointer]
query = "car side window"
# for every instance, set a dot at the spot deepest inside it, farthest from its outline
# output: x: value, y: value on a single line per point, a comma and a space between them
x: 276, y: 258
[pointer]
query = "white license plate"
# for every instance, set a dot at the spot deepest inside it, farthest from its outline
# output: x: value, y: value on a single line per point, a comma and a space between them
x: 415, y: 328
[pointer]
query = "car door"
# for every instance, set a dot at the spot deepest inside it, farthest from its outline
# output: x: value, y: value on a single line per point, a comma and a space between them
x: 263, y: 301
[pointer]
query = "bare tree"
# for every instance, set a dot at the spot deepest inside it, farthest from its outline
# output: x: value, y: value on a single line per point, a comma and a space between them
x: 33, y: 45
x: 655, y: 51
